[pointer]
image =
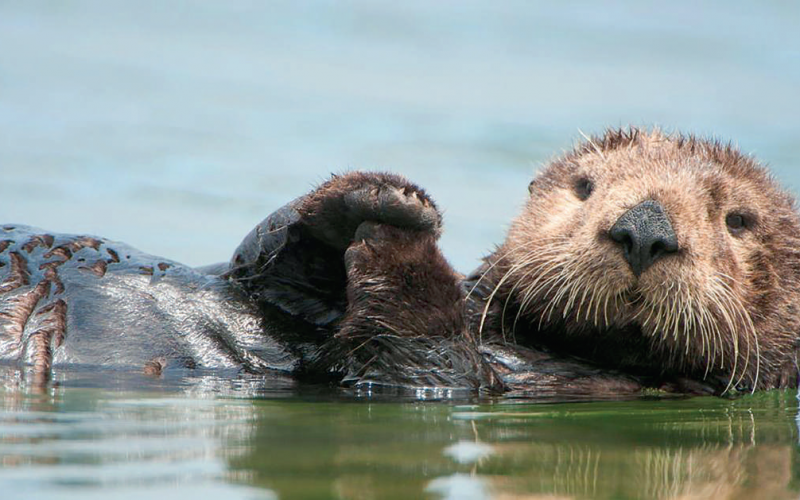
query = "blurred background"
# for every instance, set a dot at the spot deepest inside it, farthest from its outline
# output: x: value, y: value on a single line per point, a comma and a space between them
x: 176, y: 126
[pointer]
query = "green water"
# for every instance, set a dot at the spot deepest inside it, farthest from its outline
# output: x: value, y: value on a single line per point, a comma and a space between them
x: 217, y: 438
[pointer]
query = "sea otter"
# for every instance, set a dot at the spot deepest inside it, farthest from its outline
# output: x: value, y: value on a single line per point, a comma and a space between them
x: 641, y: 260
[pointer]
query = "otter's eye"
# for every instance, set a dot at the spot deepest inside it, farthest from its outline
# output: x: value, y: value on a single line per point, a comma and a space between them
x: 584, y: 188
x: 736, y: 222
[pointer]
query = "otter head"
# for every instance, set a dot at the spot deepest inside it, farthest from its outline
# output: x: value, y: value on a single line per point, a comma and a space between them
x: 662, y: 253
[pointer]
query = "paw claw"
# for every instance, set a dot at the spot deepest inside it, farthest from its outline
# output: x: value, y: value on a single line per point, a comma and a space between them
x: 336, y: 209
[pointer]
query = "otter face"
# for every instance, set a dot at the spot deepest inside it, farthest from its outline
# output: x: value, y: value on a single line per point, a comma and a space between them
x: 665, y: 253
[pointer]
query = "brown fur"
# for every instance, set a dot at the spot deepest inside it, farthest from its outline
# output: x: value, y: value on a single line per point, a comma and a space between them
x: 155, y: 367
x: 335, y: 210
x: 557, y: 308
x: 424, y: 342
x: 404, y: 322
x: 723, y: 309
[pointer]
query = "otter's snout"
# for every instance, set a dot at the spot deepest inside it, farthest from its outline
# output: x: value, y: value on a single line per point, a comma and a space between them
x: 645, y: 235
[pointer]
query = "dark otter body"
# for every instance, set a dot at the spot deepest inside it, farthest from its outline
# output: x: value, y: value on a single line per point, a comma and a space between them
x: 83, y: 300
x: 605, y: 286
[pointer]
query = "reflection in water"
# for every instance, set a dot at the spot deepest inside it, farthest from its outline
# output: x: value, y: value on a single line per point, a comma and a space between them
x: 466, y: 452
x: 569, y: 471
x: 699, y: 448
x: 459, y: 486
x: 79, y: 443
x: 726, y: 450
x: 692, y: 449
x: 244, y: 438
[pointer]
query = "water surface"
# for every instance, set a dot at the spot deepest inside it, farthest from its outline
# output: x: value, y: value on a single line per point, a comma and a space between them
x: 212, y: 437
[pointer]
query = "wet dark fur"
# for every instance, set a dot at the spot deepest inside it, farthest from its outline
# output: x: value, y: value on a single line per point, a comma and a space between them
x: 347, y: 284
x: 68, y: 300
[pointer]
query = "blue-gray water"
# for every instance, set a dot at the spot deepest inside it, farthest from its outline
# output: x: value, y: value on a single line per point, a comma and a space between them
x: 176, y: 126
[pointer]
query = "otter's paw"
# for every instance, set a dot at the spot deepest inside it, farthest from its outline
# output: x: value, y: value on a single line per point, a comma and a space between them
x: 405, y: 324
x: 336, y: 209
x: 398, y: 281
x: 386, y: 252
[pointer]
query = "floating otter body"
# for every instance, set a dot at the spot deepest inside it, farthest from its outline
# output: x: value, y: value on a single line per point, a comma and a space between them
x: 82, y: 300
x: 640, y: 260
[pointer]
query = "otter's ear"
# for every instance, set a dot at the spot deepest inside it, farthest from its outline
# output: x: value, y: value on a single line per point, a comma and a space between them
x: 532, y: 186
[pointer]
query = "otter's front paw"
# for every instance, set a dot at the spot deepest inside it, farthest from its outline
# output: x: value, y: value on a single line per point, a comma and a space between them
x: 398, y: 281
x: 405, y: 323
x: 335, y: 210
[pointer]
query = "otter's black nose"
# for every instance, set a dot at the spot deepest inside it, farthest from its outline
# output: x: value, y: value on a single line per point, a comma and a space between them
x: 645, y: 235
